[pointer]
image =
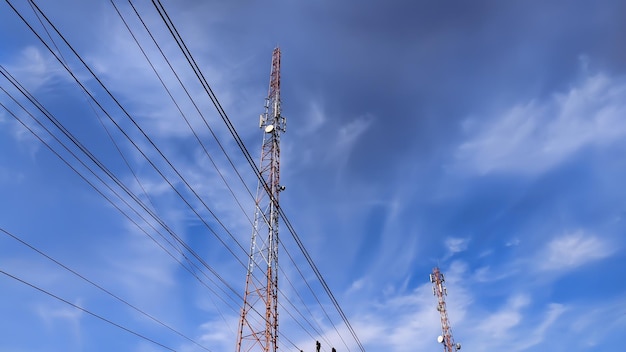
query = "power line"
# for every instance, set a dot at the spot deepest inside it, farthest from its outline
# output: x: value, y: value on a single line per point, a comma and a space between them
x: 195, y: 105
x: 136, y: 146
x: 102, y: 288
x: 45, y: 112
x: 204, y: 263
x: 312, y: 292
x: 154, y: 166
x: 199, y: 113
x: 141, y: 130
x: 86, y: 311
x: 115, y: 205
x: 183, y: 115
x: 187, y: 53
x: 321, y: 279
x: 238, y: 140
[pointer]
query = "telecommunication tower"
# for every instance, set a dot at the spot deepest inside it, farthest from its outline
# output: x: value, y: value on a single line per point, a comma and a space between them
x: 440, y: 290
x: 258, y: 326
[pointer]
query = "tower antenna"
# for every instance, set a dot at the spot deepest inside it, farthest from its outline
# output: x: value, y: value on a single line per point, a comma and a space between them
x: 440, y: 290
x: 258, y: 325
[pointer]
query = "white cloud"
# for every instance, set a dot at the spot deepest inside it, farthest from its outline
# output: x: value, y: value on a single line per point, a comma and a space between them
x: 598, y: 323
x: 336, y: 145
x: 513, y: 242
x: 573, y: 250
x: 219, y: 335
x: 357, y: 285
x: 554, y: 311
x: 143, y: 272
x: 124, y: 69
x: 394, y: 323
x: 456, y: 244
x: 489, y: 274
x: 499, y: 323
x: 406, y: 321
x: 533, y: 137
x: 348, y: 134
x: 34, y: 68
x: 515, y: 327
x: 63, y: 312
x: 315, y: 118
x: 409, y: 321
x: 60, y: 316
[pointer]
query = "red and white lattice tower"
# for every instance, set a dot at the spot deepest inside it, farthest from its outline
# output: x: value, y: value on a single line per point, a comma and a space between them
x: 258, y: 326
x: 439, y: 290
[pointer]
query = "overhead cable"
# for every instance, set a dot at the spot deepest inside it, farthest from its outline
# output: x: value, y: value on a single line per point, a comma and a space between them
x: 119, y: 326
x: 170, y: 25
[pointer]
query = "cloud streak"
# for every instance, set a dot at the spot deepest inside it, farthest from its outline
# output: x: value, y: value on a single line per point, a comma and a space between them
x: 384, y: 173
x: 533, y: 137
x: 573, y: 250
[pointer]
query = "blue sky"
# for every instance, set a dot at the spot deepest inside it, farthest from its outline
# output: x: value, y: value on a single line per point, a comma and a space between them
x: 485, y: 137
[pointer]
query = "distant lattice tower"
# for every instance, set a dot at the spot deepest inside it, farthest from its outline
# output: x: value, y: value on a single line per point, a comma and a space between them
x: 258, y: 326
x: 440, y: 290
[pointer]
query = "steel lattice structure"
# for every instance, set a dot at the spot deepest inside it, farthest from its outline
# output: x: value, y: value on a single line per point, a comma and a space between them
x: 258, y: 327
x: 440, y: 290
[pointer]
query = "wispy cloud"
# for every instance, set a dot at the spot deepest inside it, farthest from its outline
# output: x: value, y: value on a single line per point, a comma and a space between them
x: 220, y: 335
x: 516, y: 326
x: 314, y: 119
x: 395, y: 322
x: 456, y: 244
x: 573, y: 250
x: 610, y: 316
x: 345, y: 138
x: 55, y: 315
x: 533, y: 137
x: 500, y: 323
x: 513, y: 242
x: 145, y: 274
x: 35, y: 68
x: 553, y: 312
x: 72, y: 315
x: 407, y: 320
